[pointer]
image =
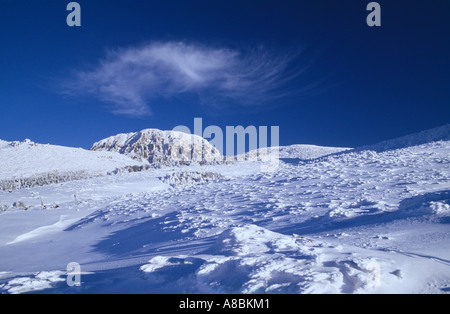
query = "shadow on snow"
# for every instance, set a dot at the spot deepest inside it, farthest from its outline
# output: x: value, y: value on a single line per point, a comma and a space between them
x: 414, y: 207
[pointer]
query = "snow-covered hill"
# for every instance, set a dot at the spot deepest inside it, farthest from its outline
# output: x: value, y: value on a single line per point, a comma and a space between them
x: 27, y: 164
x: 161, y: 147
x: 433, y: 135
x: 295, y: 152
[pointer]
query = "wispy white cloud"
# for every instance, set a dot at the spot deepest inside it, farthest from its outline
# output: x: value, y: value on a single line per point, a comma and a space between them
x: 132, y: 79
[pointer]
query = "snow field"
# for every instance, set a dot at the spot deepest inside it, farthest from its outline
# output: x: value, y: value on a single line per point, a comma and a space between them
x: 353, y: 222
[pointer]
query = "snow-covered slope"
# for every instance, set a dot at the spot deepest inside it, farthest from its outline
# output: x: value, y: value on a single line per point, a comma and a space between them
x: 163, y: 147
x: 298, y: 152
x: 25, y: 164
x: 3, y: 143
x: 354, y: 222
x: 308, y: 152
x: 433, y: 135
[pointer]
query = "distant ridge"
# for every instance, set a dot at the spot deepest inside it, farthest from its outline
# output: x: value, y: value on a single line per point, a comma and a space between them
x: 297, y: 151
x: 432, y: 135
x: 27, y: 164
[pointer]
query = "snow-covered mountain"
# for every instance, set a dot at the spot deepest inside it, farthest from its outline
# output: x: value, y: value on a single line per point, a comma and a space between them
x: 362, y: 221
x: 27, y: 164
x: 161, y: 147
x: 441, y: 133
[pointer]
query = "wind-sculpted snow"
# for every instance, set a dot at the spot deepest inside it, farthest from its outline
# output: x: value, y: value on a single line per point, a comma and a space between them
x: 185, y: 178
x: 41, y: 179
x: 36, y: 282
x: 251, y: 259
x: 353, y: 222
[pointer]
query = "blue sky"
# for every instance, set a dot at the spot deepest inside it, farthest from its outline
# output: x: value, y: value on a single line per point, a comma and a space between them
x: 314, y: 68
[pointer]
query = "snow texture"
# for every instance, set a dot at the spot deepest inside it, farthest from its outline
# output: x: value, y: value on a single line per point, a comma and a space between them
x: 293, y: 153
x: 355, y: 221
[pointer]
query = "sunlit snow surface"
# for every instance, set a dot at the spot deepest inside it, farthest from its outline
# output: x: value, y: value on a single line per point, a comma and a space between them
x: 352, y: 222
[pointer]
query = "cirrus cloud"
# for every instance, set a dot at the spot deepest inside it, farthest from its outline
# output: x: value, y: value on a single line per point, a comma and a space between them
x: 132, y: 79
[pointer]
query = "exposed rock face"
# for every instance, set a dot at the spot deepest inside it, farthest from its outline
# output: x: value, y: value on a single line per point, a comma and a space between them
x: 161, y: 147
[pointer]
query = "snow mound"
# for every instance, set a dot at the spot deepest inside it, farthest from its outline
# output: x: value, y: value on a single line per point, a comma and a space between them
x: 433, y: 135
x: 161, y: 147
x: 28, y: 164
x: 436, y: 203
x: 253, y: 260
x: 39, y: 281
